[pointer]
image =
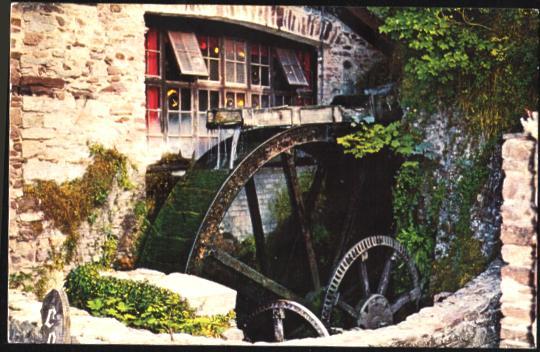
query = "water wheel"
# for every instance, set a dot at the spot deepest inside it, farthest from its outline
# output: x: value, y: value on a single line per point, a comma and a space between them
x: 296, y: 262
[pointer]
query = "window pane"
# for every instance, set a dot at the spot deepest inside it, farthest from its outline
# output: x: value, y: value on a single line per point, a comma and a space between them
x: 279, y: 100
x: 265, y: 74
x: 214, y: 100
x: 255, y: 101
x: 264, y: 55
x: 255, y: 79
x: 213, y: 46
x: 185, y: 124
x: 201, y: 130
x: 287, y: 100
x: 152, y: 63
x: 188, y: 53
x: 265, y: 101
x: 298, y: 72
x: 229, y: 71
x: 174, y: 123
x: 255, y: 58
x: 203, y: 44
x: 203, y: 100
x: 240, y: 100
x: 214, y: 70
x: 152, y: 39
x: 229, y: 49
x: 240, y: 75
x: 229, y: 101
x: 173, y: 99
x: 186, y: 99
x: 240, y: 51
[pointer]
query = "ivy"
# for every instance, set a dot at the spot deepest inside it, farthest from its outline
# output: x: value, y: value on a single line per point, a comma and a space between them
x: 484, y: 61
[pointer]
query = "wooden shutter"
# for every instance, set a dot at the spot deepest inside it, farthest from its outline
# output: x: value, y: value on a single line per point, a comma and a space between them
x: 188, y: 54
x: 291, y: 66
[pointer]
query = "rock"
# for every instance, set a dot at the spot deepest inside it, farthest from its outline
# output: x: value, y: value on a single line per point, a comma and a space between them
x: 518, y: 256
x: 233, y: 334
x: 23, y: 332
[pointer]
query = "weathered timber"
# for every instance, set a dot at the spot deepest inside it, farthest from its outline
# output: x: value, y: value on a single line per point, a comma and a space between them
x: 254, y: 275
x: 297, y: 204
x: 256, y: 223
x: 246, y: 168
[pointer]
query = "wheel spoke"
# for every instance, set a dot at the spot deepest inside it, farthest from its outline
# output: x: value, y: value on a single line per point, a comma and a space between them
x: 385, y: 276
x: 256, y: 222
x: 365, y: 278
x: 348, y: 308
x: 405, y: 298
x: 297, y: 205
x: 277, y: 316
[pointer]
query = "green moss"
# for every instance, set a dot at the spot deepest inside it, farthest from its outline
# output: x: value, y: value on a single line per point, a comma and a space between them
x: 22, y: 281
x: 70, y: 203
x: 463, y: 263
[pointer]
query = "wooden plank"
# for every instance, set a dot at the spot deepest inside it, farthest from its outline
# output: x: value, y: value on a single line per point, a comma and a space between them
x: 255, y: 276
x: 297, y: 204
x: 256, y: 223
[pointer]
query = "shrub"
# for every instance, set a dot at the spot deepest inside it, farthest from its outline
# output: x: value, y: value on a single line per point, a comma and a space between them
x: 139, y: 304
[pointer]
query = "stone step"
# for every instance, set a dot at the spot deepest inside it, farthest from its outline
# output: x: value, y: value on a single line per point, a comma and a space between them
x: 207, y: 297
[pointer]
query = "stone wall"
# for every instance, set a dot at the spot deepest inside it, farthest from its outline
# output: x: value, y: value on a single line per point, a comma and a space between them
x: 77, y: 76
x: 468, y: 318
x: 519, y: 239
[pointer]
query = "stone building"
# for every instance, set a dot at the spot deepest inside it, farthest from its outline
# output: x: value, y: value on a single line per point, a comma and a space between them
x: 140, y: 78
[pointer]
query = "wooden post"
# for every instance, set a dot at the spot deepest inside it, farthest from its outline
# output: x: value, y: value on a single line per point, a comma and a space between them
x: 256, y: 223
x: 297, y: 204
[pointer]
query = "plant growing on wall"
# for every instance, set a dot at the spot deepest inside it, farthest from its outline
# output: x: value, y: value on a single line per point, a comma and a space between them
x: 482, y: 61
x: 70, y: 203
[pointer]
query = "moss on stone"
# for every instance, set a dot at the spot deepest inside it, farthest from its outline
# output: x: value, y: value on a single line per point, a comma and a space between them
x: 69, y: 204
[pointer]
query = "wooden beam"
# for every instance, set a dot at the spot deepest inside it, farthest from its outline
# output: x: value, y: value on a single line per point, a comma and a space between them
x: 298, y: 209
x: 252, y: 274
x: 256, y: 223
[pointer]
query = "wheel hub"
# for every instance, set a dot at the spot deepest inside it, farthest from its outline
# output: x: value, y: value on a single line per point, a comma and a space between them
x: 375, y: 313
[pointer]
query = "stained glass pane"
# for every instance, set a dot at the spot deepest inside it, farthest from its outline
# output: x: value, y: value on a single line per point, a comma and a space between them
x: 173, y: 99
x: 213, y: 46
x: 229, y: 49
x: 264, y: 55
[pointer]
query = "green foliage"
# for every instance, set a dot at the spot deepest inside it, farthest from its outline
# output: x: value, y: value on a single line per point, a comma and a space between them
x: 416, y: 235
x: 485, y: 60
x: 108, y: 249
x: 54, y: 262
x: 371, y: 138
x: 139, y: 304
x: 22, y: 281
x: 69, y: 204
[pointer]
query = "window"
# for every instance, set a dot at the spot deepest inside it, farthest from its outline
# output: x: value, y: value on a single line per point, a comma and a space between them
x: 235, y: 100
x: 235, y: 61
x: 210, y: 52
x: 291, y: 67
x: 260, y: 65
x: 152, y: 52
x: 189, y: 73
x: 187, y: 53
